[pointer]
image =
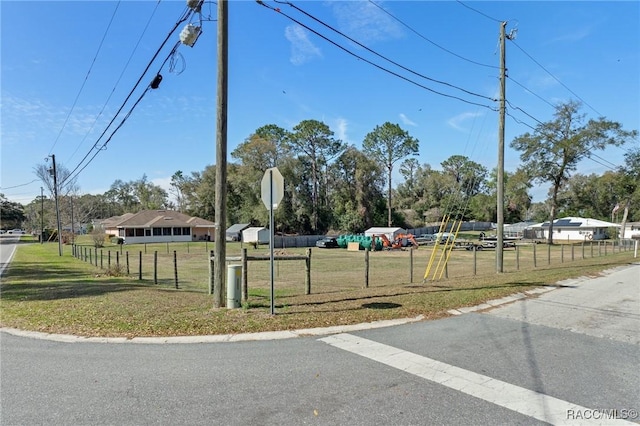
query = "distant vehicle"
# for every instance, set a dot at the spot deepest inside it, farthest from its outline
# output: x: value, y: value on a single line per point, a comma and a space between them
x: 327, y: 243
x: 16, y: 232
x: 2, y: 231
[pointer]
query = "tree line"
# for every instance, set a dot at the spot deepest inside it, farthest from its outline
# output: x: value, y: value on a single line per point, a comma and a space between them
x: 334, y: 187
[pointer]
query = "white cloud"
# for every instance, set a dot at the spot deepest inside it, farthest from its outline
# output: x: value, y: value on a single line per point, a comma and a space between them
x: 341, y: 133
x: 406, y: 120
x: 365, y: 22
x: 302, y: 49
x: 457, y: 121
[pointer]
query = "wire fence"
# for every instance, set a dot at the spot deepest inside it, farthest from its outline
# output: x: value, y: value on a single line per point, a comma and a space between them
x: 188, y: 267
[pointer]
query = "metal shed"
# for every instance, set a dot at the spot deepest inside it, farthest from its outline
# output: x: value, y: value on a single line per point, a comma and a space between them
x: 255, y: 235
x: 234, y: 232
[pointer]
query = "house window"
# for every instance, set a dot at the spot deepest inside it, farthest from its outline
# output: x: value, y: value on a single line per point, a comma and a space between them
x: 157, y: 232
x: 147, y: 232
x: 166, y: 231
x: 139, y: 232
x: 186, y: 231
x: 177, y: 231
x: 121, y: 232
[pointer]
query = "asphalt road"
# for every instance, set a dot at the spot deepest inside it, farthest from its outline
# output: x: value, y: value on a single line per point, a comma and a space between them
x: 509, y: 365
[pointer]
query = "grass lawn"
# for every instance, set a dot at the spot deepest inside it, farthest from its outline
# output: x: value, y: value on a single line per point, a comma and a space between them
x: 42, y: 291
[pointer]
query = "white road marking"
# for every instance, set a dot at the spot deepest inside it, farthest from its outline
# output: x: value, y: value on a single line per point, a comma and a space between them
x: 524, y: 401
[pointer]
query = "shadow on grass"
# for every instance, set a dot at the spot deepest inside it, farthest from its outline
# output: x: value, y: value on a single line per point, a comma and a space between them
x: 44, y: 281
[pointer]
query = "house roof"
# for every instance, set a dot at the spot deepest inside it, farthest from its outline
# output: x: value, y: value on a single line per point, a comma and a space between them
x: 577, y: 222
x: 383, y: 230
x: 156, y: 218
x: 238, y: 227
x: 255, y: 228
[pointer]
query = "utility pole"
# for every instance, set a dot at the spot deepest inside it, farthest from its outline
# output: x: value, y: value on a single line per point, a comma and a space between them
x: 55, y: 195
x: 41, y: 215
x: 500, y: 189
x: 220, y: 249
x: 73, y: 230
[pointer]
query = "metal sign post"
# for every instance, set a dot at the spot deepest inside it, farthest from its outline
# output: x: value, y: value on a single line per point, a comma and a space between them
x: 272, y: 192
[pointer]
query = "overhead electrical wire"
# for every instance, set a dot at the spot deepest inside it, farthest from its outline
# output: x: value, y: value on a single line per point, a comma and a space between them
x: 85, y: 78
x: 380, y: 67
x: 480, y: 13
x: 124, y: 119
x: 384, y: 57
x: 95, y: 145
x: 555, y: 78
x: 430, y: 41
x: 126, y: 65
x: 532, y: 92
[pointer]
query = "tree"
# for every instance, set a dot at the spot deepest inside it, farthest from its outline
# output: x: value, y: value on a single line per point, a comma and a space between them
x: 314, y: 140
x: 358, y: 190
x: 388, y: 144
x: 11, y: 214
x: 556, y: 147
x: 469, y: 175
x: 66, y: 184
x: 630, y: 184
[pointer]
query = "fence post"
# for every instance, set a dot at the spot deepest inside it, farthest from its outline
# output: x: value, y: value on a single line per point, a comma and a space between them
x: 108, y: 259
x: 366, y: 268
x: 245, y: 275
x: 90, y: 257
x: 155, y: 267
x: 118, y: 260
x: 211, y: 274
x: 308, y: 276
x: 583, y: 250
x: 548, y: 254
x: 411, y: 265
x: 175, y: 268
x: 101, y: 263
x: 605, y: 248
x: 475, y: 260
x: 517, y: 257
x: 140, y: 266
x: 591, y: 247
x: 446, y: 269
x: 535, y: 263
x: 562, y: 253
x: 145, y: 248
x: 573, y: 252
x: 127, y: 254
x: 167, y: 247
x: 599, y: 249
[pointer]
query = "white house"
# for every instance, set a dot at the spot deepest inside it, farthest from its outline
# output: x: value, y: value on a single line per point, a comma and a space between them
x: 631, y: 230
x: 390, y: 232
x: 575, y: 229
x: 258, y: 235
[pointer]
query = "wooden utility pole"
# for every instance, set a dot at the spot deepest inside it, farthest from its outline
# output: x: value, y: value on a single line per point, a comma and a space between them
x: 220, y: 250
x: 500, y: 189
x: 55, y: 195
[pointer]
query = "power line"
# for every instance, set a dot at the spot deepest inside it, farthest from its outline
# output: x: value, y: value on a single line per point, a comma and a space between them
x: 18, y: 186
x: 370, y: 62
x: 532, y: 92
x: 555, y: 78
x: 135, y: 48
x: 382, y: 56
x: 430, y: 41
x: 184, y: 17
x: 480, y: 13
x: 85, y: 78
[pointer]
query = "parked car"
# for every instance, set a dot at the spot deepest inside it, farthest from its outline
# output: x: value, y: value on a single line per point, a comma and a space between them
x: 327, y: 243
x: 16, y: 232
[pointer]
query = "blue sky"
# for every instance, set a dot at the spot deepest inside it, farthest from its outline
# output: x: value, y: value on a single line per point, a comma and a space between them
x: 64, y: 76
